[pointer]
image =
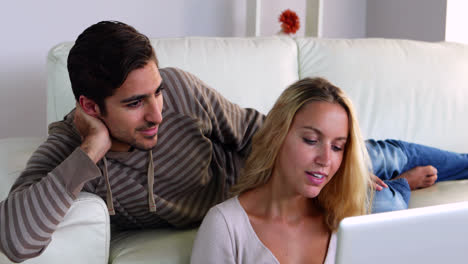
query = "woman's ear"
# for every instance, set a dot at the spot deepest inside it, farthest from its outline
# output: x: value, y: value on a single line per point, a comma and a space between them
x: 89, y: 106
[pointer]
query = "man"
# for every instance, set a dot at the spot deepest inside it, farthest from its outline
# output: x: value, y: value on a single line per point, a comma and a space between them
x: 157, y: 144
x: 167, y: 146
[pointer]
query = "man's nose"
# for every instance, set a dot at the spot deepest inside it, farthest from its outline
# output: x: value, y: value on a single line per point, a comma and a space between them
x: 154, y: 111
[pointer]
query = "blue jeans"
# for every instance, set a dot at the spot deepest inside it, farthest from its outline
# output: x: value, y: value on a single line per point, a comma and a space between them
x: 391, y: 158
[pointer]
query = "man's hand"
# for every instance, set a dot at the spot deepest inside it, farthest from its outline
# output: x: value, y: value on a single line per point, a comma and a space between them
x: 378, y: 183
x: 95, y: 137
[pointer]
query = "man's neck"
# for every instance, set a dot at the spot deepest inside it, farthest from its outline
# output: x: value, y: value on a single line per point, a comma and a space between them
x: 118, y: 146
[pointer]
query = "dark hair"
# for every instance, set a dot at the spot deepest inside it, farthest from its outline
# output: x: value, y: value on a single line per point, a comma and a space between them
x: 103, y: 56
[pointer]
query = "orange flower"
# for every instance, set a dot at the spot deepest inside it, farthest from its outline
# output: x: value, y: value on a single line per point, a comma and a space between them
x: 289, y: 21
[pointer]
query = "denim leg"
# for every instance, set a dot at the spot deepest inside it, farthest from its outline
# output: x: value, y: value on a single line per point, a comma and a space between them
x: 390, y: 158
x: 393, y: 198
x: 449, y: 165
x: 388, y: 161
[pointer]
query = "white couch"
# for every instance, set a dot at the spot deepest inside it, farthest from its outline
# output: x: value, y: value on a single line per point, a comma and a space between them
x: 407, y: 90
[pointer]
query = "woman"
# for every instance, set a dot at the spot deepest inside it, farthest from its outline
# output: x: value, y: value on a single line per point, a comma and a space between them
x: 308, y: 170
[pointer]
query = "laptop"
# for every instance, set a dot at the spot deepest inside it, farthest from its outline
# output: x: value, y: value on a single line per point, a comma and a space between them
x: 434, y: 234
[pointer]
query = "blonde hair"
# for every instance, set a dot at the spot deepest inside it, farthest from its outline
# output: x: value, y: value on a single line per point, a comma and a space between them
x: 347, y: 193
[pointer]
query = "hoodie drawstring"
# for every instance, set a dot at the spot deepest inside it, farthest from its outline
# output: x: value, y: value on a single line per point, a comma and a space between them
x: 109, y: 200
x: 150, y: 175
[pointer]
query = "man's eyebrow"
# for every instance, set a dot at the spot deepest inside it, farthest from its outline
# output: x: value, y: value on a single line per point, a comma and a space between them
x: 320, y: 132
x: 140, y: 96
x: 161, y: 85
x: 134, y: 98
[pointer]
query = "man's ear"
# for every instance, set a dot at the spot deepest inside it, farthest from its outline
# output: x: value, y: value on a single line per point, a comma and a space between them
x: 89, y: 106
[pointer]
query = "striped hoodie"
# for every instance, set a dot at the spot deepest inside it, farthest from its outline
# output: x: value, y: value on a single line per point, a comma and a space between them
x: 202, y: 143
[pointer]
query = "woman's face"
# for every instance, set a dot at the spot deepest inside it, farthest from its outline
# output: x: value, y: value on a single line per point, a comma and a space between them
x: 313, y: 148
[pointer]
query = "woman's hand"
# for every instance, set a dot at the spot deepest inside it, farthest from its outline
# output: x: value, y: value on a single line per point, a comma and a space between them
x: 378, y: 183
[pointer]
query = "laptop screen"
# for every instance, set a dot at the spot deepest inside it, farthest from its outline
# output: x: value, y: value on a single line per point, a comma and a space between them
x: 435, y: 234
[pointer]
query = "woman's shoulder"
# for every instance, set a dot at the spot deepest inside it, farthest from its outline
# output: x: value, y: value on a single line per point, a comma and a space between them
x: 228, y: 217
x: 227, y: 220
x: 230, y: 210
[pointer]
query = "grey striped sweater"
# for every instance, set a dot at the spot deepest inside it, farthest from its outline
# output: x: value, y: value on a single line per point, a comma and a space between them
x: 202, y: 143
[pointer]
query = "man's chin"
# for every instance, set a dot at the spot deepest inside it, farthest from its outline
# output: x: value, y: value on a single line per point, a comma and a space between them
x: 142, y: 144
x: 145, y: 146
x: 142, y: 148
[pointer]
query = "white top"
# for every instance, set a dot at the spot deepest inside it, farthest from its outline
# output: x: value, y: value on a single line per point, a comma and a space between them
x: 226, y: 236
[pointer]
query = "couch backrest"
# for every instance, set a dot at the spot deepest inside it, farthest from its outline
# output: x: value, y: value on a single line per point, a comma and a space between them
x: 251, y: 72
x: 403, y: 89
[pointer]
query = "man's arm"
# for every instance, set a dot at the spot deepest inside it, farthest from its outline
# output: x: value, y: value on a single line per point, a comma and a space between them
x: 45, y: 190
x: 229, y: 124
x: 232, y: 125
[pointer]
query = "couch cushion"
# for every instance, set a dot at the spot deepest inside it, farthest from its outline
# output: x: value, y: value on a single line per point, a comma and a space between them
x: 440, y: 193
x: 251, y: 72
x: 410, y: 90
x: 164, y: 246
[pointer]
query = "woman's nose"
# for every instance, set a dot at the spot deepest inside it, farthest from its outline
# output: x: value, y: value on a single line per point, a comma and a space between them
x: 324, y: 156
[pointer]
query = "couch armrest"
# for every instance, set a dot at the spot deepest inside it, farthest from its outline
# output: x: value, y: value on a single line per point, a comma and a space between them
x: 84, y: 234
x: 82, y: 237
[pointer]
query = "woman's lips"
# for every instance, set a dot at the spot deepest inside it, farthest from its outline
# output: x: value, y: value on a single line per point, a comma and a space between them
x: 315, y: 178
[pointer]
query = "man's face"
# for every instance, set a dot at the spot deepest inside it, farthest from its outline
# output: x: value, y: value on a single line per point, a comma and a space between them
x: 133, y: 113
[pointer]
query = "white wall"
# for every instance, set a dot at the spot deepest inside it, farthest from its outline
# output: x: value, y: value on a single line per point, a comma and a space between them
x: 30, y: 28
x: 407, y: 19
x: 343, y: 19
x: 456, y: 28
